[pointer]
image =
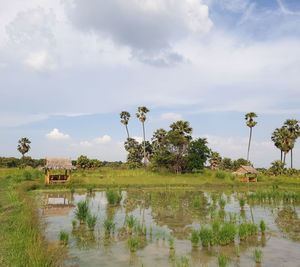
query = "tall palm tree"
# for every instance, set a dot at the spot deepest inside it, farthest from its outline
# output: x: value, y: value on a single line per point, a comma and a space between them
x: 250, y: 122
x: 294, y: 129
x: 125, y: 116
x: 183, y: 128
x: 141, y: 115
x: 278, y: 141
x: 24, y: 146
x: 159, y: 138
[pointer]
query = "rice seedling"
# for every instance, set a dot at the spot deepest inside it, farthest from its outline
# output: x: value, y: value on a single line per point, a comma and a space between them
x: 206, y: 236
x: 109, y: 227
x: 183, y: 262
x: 113, y: 197
x: 91, y: 221
x: 63, y: 237
x: 242, y: 203
x: 133, y: 244
x: 222, y: 203
x: 82, y: 211
x: 237, y: 251
x: 246, y: 230
x: 90, y: 189
x: 130, y: 223
x: 195, y: 238
x: 227, y: 234
x: 72, y: 190
x: 257, y: 255
x: 223, y: 260
x: 74, y: 223
x: 196, y: 203
x: 171, y: 243
x: 262, y: 226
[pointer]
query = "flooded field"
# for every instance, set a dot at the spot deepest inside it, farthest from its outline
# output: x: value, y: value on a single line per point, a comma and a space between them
x: 175, y: 228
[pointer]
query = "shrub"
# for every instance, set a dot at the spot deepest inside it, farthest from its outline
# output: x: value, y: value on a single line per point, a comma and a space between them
x: 82, y: 211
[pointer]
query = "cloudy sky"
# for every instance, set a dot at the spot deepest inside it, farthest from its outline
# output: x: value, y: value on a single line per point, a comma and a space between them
x: 68, y: 67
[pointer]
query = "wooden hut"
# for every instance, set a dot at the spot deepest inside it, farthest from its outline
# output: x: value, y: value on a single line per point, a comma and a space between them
x: 58, y: 170
x: 247, y: 173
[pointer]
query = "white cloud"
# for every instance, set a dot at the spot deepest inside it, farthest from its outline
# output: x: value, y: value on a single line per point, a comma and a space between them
x: 85, y: 144
x: 105, y: 139
x: 138, y: 138
x: 170, y: 116
x: 55, y: 134
x: 40, y: 61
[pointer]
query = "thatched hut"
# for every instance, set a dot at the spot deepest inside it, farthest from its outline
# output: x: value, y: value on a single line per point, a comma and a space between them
x: 248, y: 173
x: 58, y: 170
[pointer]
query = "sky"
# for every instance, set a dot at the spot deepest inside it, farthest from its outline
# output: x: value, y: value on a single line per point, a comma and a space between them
x: 68, y: 67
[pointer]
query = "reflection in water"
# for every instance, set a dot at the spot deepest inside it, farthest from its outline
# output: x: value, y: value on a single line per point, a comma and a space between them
x: 162, y: 221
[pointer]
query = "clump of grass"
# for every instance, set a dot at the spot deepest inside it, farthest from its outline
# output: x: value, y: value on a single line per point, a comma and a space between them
x: 222, y: 203
x: 130, y: 223
x: 133, y: 244
x: 109, y: 227
x: 195, y: 238
x: 237, y: 251
x: 223, y: 260
x: 220, y: 174
x: 246, y: 230
x: 183, y: 262
x: 140, y: 229
x: 27, y: 176
x: 227, y: 234
x: 262, y: 226
x: 91, y: 221
x: 242, y: 203
x: 82, y: 211
x: 257, y: 254
x: 64, y: 237
x: 113, y: 197
x: 206, y: 236
x: 74, y: 223
x: 196, y: 203
x: 171, y: 243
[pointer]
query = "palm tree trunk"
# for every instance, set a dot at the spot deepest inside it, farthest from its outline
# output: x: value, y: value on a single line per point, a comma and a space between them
x: 127, y: 131
x: 291, y: 158
x: 281, y: 155
x: 284, y: 157
x: 144, y: 136
x: 249, y: 143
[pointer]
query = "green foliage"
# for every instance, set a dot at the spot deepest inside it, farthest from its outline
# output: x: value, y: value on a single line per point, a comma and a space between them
x: 223, y: 260
x: 246, y: 230
x: 130, y: 223
x: 135, y: 153
x: 113, y: 197
x: 109, y: 227
x: 262, y: 226
x: 222, y: 203
x: 74, y: 223
x: 206, y: 236
x: 242, y: 202
x: 183, y: 262
x: 24, y: 145
x: 195, y: 238
x: 82, y: 211
x: 64, y: 237
x: 220, y: 174
x: 133, y: 244
x: 27, y: 175
x: 227, y: 234
x: 277, y: 167
x: 91, y: 221
x: 171, y: 243
x: 198, y: 153
x: 257, y: 255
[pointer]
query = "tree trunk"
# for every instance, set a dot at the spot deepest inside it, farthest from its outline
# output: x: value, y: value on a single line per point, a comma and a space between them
x: 284, y: 157
x: 127, y: 131
x: 249, y: 143
x: 144, y: 144
x: 291, y: 158
x: 281, y: 155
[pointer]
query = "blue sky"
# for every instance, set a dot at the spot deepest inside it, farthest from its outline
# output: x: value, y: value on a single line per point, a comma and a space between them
x: 67, y: 68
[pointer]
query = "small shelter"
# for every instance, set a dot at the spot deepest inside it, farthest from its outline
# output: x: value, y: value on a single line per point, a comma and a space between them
x: 58, y: 170
x: 248, y: 173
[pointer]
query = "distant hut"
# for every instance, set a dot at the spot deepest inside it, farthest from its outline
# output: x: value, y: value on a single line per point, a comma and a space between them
x: 58, y: 170
x: 248, y: 173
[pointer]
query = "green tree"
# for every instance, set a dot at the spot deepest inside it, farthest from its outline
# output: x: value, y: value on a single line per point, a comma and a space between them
x: 283, y: 139
x: 125, y: 116
x: 24, y: 146
x: 198, y: 153
x: 227, y: 164
x: 240, y: 162
x: 294, y: 129
x: 250, y: 122
x: 277, y: 167
x: 83, y: 162
x: 135, y: 153
x: 277, y: 138
x: 215, y: 160
x: 141, y: 115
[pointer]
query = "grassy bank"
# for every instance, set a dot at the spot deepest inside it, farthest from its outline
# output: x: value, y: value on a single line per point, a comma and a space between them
x: 21, y: 239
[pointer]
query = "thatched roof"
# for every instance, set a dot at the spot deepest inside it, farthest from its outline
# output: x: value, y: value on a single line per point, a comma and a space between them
x: 246, y: 170
x: 59, y: 164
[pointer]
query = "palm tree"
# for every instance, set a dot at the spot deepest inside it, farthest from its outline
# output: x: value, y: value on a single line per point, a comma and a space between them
x: 125, y: 116
x: 141, y: 115
x: 278, y: 140
x: 183, y: 128
x: 24, y: 146
x: 159, y: 138
x: 249, y: 117
x: 215, y: 160
x: 294, y: 129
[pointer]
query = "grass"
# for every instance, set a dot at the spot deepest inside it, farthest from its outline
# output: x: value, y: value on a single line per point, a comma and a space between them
x: 82, y: 211
x: 133, y: 244
x: 64, y: 237
x: 195, y: 238
x: 113, y: 197
x: 223, y: 260
x: 109, y: 227
x: 21, y: 240
x: 262, y: 226
x: 91, y: 221
x: 257, y: 255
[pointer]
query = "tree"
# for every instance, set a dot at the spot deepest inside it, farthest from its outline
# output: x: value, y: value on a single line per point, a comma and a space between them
x: 277, y: 167
x: 125, y: 116
x: 227, y: 164
x: 249, y: 117
x: 198, y: 153
x: 215, y: 160
x: 294, y: 129
x: 278, y: 140
x: 141, y: 115
x: 183, y: 128
x: 135, y: 153
x: 240, y: 162
x: 83, y: 162
x: 24, y: 146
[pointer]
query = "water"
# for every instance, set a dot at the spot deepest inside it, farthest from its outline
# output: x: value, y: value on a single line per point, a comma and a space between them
x: 170, y: 214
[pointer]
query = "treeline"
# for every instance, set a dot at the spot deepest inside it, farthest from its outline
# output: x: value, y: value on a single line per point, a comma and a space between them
x: 83, y: 162
x: 11, y: 162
